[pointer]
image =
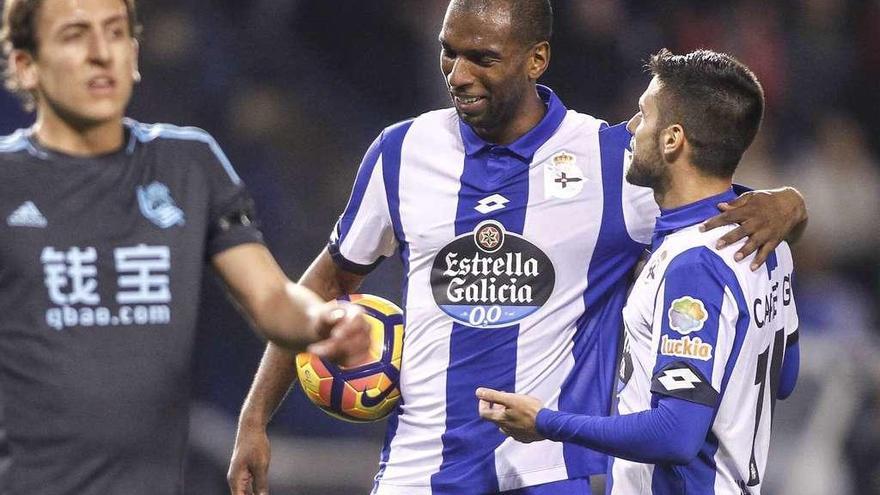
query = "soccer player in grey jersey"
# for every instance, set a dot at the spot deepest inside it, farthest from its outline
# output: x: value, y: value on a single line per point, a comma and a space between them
x: 105, y: 225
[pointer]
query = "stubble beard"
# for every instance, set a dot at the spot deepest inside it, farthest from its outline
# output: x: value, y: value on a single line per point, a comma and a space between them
x: 644, y: 171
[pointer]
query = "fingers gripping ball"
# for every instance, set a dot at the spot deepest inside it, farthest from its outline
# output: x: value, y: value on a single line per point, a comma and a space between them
x: 366, y: 392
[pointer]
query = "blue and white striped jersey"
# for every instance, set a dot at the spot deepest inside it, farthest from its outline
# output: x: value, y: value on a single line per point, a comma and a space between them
x: 516, y: 262
x: 705, y: 328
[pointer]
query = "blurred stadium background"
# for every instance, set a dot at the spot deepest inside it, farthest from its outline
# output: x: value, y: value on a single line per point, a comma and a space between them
x: 295, y: 91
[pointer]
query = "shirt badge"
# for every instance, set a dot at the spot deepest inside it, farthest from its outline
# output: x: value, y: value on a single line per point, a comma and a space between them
x: 562, y: 177
x: 158, y: 206
x: 687, y: 315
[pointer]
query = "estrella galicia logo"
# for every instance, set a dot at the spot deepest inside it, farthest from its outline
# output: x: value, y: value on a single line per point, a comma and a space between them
x: 491, y: 278
x: 158, y: 206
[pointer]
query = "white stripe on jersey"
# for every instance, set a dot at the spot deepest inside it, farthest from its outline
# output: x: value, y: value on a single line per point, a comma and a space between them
x: 416, y: 447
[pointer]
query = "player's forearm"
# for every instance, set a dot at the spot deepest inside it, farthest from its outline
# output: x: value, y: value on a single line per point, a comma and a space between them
x: 280, y: 310
x: 665, y: 435
x: 289, y: 317
x: 327, y: 280
x: 274, y: 377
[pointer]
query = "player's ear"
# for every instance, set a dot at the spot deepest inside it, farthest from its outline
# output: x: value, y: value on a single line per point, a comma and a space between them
x: 539, y: 60
x: 672, y: 142
x: 135, y: 51
x: 24, y: 69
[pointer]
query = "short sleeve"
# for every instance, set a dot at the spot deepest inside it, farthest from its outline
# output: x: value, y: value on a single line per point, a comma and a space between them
x: 696, y: 316
x: 232, y: 216
x: 364, y: 234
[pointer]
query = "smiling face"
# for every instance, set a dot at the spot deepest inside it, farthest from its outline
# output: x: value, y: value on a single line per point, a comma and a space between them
x: 647, y: 168
x: 85, y: 63
x: 490, y: 72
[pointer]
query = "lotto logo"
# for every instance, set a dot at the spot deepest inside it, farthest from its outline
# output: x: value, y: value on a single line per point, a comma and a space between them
x: 679, y: 379
x: 492, y: 203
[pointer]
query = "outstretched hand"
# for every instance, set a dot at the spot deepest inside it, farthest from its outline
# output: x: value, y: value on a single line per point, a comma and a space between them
x: 765, y: 217
x: 344, y: 334
x: 515, y: 414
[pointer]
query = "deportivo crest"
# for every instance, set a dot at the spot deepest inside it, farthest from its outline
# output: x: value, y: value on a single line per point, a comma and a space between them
x: 651, y: 269
x: 491, y: 278
x: 687, y: 315
x: 562, y: 177
x: 158, y: 206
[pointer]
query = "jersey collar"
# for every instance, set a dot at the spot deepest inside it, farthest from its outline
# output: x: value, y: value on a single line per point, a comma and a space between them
x: 36, y: 149
x: 526, y: 146
x: 690, y: 214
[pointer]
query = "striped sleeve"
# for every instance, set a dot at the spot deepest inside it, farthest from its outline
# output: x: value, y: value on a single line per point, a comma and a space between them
x: 364, y: 234
x: 698, y: 315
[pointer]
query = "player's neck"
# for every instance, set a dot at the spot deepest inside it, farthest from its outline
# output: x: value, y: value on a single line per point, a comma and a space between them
x: 687, y: 188
x: 66, y: 137
x: 525, y: 120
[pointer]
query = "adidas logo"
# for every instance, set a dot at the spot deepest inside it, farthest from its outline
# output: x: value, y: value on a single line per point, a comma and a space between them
x: 27, y: 215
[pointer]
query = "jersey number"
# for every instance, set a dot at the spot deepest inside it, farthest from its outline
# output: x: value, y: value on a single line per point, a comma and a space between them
x: 761, y: 376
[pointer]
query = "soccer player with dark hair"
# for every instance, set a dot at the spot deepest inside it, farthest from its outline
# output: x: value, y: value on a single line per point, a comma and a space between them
x: 709, y: 344
x: 106, y: 226
x: 517, y: 233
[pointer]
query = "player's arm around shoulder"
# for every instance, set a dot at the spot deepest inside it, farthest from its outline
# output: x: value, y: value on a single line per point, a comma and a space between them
x: 766, y: 218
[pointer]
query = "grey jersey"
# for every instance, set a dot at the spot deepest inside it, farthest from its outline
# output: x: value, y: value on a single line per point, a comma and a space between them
x: 100, y: 273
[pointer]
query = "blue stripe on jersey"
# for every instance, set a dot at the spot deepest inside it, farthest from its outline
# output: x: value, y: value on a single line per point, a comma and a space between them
x: 771, y: 263
x: 707, y: 259
x: 742, y: 323
x: 391, y: 149
x: 391, y: 144
x: 147, y: 132
x: 588, y: 388
x: 365, y: 171
x: 480, y: 357
x: 696, y: 273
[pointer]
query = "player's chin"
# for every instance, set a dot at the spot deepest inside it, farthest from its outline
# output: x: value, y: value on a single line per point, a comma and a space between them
x: 638, y: 178
x: 473, y: 119
x: 99, y: 112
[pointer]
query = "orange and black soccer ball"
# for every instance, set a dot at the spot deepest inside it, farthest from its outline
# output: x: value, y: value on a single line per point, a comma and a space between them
x: 370, y: 390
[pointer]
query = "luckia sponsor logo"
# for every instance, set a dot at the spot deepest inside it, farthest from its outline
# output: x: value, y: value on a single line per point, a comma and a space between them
x: 490, y: 277
x: 687, y: 315
x: 686, y: 347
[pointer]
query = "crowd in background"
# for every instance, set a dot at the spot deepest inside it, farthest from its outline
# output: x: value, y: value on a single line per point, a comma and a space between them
x: 295, y: 91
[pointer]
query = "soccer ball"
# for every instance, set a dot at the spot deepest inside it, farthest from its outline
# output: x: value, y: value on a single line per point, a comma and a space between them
x: 366, y: 392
